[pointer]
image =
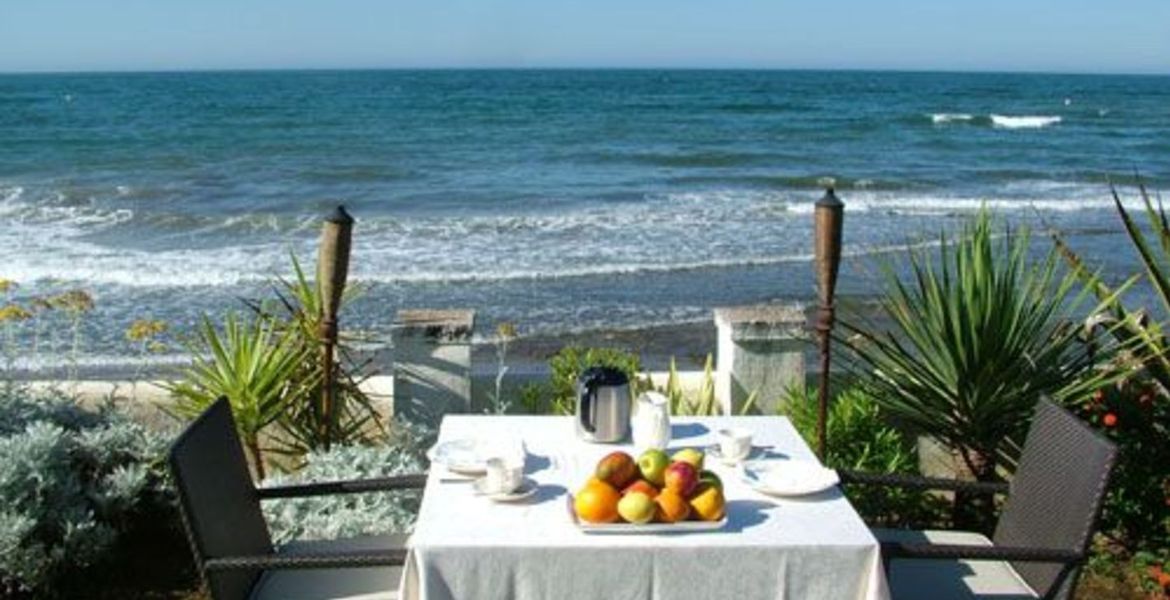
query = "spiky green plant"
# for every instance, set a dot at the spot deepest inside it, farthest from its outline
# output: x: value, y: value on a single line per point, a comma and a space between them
x: 255, y: 365
x: 1147, y: 336
x: 703, y: 403
x: 307, y: 428
x: 1136, y: 412
x: 977, y: 335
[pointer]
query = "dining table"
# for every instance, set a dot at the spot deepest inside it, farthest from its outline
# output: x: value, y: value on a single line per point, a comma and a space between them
x: 465, y: 545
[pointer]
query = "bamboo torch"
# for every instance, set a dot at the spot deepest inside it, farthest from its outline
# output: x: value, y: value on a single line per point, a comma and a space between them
x: 830, y: 216
x: 332, y: 270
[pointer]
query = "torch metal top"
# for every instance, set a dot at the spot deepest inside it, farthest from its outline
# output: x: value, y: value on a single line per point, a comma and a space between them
x: 339, y: 216
x: 830, y: 200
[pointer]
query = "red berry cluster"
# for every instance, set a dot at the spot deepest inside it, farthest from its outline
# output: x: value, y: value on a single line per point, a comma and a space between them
x: 1161, y: 579
x: 1107, y: 406
x: 1098, y: 410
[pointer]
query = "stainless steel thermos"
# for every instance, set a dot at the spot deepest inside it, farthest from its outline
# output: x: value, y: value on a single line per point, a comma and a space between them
x: 603, y: 405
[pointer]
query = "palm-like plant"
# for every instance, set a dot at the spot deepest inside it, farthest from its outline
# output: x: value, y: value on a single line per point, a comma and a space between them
x: 1136, y: 413
x: 1149, y: 345
x: 307, y: 429
x: 254, y: 364
x: 976, y: 338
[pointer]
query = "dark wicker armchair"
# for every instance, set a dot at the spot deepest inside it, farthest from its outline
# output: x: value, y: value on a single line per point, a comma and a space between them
x: 229, y: 537
x: 1042, y: 535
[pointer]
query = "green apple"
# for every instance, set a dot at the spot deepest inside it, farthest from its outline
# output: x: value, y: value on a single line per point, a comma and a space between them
x: 652, y: 464
x: 691, y: 456
x: 711, y: 479
x: 636, y: 507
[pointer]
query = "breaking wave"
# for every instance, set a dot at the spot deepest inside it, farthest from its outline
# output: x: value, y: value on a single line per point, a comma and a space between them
x: 996, y: 120
x: 939, y: 118
x: 1024, y: 122
x: 662, y: 233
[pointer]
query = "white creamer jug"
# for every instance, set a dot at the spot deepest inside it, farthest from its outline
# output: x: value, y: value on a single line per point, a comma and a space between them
x: 651, y: 421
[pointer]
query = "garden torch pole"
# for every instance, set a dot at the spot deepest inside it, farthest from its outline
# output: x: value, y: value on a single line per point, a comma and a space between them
x: 332, y: 269
x: 830, y: 216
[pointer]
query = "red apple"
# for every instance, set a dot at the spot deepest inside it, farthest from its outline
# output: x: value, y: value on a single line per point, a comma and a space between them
x: 643, y: 486
x: 617, y: 469
x: 682, y: 478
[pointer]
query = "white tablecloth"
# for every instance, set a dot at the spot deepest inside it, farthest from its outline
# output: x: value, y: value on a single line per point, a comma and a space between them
x: 466, y: 547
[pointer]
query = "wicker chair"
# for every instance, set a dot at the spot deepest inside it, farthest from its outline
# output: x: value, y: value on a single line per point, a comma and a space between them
x: 229, y: 537
x: 1042, y: 535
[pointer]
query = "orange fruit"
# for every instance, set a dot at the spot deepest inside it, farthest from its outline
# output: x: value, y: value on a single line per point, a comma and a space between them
x: 597, y: 503
x: 671, y: 507
x: 594, y: 481
x: 708, y: 504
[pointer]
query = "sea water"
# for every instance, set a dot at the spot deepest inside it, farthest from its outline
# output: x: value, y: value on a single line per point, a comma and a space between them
x: 558, y: 200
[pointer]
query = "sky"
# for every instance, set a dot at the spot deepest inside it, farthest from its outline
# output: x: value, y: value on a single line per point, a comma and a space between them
x: 1091, y: 36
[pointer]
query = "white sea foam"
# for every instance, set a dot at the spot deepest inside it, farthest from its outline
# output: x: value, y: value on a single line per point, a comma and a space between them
x: 940, y: 118
x: 693, y: 231
x: 1024, y: 122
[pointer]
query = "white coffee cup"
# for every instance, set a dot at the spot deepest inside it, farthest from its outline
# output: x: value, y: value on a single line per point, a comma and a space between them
x: 735, y: 443
x: 502, y: 476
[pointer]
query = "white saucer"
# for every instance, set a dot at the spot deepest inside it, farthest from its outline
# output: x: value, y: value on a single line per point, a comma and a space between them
x: 462, y: 456
x: 788, y: 477
x: 527, y: 489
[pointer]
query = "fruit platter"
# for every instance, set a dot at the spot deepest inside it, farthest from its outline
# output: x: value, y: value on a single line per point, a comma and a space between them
x: 655, y: 493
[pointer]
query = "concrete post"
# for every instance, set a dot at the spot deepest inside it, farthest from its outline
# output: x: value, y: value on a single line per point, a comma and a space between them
x: 432, y: 363
x: 760, y: 350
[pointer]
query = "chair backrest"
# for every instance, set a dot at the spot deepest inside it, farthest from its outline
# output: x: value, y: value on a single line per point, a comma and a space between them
x: 1056, y: 495
x: 219, y: 503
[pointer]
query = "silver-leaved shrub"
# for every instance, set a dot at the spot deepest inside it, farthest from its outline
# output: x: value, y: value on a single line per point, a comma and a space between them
x: 69, y: 482
x: 350, y: 515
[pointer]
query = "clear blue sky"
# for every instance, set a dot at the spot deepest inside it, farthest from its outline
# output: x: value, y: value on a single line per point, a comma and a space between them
x: 1050, y: 35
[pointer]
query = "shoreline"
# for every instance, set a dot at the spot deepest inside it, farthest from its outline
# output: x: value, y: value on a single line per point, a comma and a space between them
x: 688, y: 343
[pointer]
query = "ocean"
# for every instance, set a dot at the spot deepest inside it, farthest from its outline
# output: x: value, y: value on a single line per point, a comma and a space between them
x: 560, y: 200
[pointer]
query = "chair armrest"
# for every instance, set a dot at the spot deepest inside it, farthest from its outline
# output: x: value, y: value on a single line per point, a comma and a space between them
x: 395, y: 557
x: 922, y: 483
x: 897, y: 550
x: 381, y: 484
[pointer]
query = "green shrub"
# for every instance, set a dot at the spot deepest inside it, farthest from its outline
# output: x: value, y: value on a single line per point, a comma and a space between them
x: 1137, y: 418
x: 349, y: 515
x: 71, y: 482
x: 1135, y: 413
x: 568, y: 364
x: 858, y: 438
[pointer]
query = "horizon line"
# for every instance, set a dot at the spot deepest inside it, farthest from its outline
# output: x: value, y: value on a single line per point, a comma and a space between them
x: 294, y: 69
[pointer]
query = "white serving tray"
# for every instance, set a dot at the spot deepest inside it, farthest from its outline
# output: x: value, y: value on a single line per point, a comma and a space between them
x: 647, y: 528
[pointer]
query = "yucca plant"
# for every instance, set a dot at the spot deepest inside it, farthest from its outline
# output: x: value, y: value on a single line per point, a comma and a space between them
x: 704, y: 403
x: 256, y: 365
x: 976, y: 336
x: 297, y: 312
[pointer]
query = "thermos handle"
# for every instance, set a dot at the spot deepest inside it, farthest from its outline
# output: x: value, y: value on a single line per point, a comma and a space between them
x: 587, y: 415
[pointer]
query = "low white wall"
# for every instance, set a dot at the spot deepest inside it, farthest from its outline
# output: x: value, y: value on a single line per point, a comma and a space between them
x: 146, y: 395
